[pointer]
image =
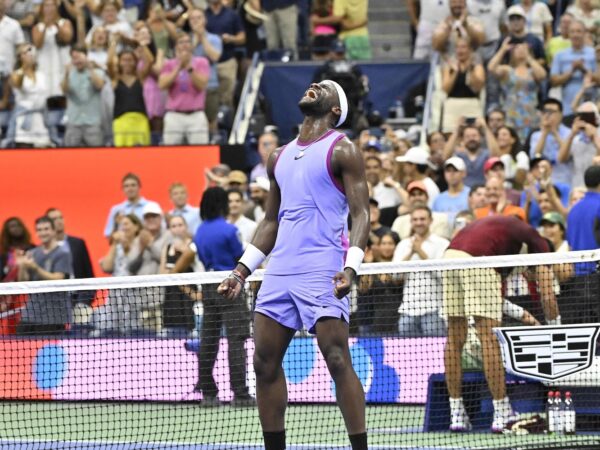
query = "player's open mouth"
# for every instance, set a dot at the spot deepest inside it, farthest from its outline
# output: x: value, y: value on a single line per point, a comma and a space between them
x: 311, y: 93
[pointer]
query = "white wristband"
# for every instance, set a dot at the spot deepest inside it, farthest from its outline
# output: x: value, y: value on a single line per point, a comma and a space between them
x: 354, y: 258
x: 252, y: 258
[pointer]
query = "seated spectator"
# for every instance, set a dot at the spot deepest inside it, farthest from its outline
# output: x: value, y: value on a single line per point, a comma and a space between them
x: 388, y: 192
x: 561, y: 41
x: 210, y: 46
x: 185, y: 78
x: 377, y: 228
x: 540, y: 178
x: 495, y: 119
x: 463, y: 78
x: 494, y: 167
x: 420, y: 311
x: 459, y: 24
x: 227, y: 24
x: 583, y: 142
x: 497, y: 203
x: 27, y: 126
x: 539, y: 19
x: 134, y: 202
x: 130, y: 122
x: 546, y: 142
x: 414, y: 168
x: 477, y: 197
x: 15, y: 240
x: 515, y: 160
x: 236, y: 217
x: 466, y: 142
x: 178, y: 305
x: 178, y: 194
x: 456, y: 198
x: 52, y: 36
x: 417, y: 196
x: 436, y: 142
x: 81, y: 85
x: 162, y: 30
x: 570, y: 65
x: 46, y: 313
x: 267, y: 143
x: 517, y: 32
x: 519, y: 81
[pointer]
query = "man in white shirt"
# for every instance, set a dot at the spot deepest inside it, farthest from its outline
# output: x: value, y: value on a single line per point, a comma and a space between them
x: 420, y: 311
x: 492, y: 16
x: 179, y: 197
x: 433, y: 12
x: 11, y: 35
x: 246, y: 226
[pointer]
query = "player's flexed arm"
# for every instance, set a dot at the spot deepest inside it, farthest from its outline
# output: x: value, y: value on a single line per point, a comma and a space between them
x: 263, y: 241
x: 348, y: 167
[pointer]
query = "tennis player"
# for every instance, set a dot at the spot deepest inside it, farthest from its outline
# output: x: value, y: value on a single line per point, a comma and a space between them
x: 315, y: 181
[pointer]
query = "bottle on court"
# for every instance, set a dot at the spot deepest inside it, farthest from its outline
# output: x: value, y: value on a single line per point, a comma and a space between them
x: 569, y: 417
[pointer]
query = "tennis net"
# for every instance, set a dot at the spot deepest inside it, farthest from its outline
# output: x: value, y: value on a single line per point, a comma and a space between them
x: 114, y: 363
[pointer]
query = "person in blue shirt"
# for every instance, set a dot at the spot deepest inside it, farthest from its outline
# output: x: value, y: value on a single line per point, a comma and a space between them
x: 583, y: 233
x: 218, y: 245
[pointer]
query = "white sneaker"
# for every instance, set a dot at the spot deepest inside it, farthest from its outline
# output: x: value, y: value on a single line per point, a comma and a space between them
x: 459, y: 422
x: 501, y: 419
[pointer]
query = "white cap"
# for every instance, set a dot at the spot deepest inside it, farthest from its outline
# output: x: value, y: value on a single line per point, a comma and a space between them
x: 261, y: 182
x: 456, y: 162
x: 152, y: 208
x: 415, y: 155
x: 516, y: 10
x: 343, y: 102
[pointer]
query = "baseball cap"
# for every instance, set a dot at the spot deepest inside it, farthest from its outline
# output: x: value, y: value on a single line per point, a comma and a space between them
x: 554, y: 218
x: 237, y: 176
x: 516, y: 10
x: 415, y: 155
x: 456, y: 162
x: 416, y: 185
x: 152, y: 208
x: 262, y: 183
x: 373, y: 143
x: 491, y: 162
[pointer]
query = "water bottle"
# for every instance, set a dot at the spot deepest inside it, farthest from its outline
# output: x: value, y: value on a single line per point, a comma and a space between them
x: 569, y: 421
x: 558, y: 413
x: 550, y: 421
x: 399, y: 108
x: 198, y: 316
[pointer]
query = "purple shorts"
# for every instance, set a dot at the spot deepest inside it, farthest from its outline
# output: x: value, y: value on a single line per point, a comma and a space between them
x: 294, y: 300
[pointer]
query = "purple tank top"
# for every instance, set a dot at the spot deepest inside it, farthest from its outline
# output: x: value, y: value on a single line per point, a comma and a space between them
x: 313, y: 214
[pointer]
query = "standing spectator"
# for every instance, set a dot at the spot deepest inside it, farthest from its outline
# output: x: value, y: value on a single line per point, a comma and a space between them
x: 185, y: 77
x: 459, y: 24
x: 24, y: 12
x: 11, y: 35
x: 433, y: 12
x: 80, y: 257
x: 178, y: 194
x: 267, y: 142
x: 539, y: 19
x: 477, y: 197
x: 571, y: 65
x: 582, y: 234
x: 210, y: 46
x: 546, y: 142
x: 519, y: 81
x: 81, y: 85
x: 130, y: 122
x: 162, y: 30
x: 561, y: 41
x: 514, y: 159
x: 415, y: 164
x: 281, y: 25
x: 352, y: 16
x: 226, y: 23
x: 492, y: 16
x: 52, y: 36
x: 98, y: 48
x: 497, y: 203
x: 588, y: 13
x: 46, y: 313
x: 517, y: 32
x: 495, y: 119
x: 236, y: 216
x: 27, y: 127
x: 178, y: 307
x: 112, y: 21
x: 420, y: 311
x: 217, y: 245
x: 15, y: 239
x: 463, y: 78
x: 583, y: 142
x: 456, y: 198
x: 134, y: 203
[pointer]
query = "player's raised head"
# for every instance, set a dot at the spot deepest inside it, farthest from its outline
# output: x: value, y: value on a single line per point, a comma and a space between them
x: 326, y: 98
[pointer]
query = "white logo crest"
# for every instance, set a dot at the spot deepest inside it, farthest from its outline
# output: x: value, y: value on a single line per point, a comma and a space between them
x: 548, y: 353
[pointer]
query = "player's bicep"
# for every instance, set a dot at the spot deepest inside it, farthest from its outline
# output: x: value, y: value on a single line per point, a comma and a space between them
x: 274, y: 196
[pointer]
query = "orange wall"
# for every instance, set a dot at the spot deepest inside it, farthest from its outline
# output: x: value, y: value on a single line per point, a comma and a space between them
x: 85, y: 183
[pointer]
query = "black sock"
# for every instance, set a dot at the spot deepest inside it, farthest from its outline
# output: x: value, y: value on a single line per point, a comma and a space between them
x: 359, y: 441
x: 275, y: 440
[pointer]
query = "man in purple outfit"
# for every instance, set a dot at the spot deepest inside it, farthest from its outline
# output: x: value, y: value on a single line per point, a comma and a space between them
x: 316, y: 180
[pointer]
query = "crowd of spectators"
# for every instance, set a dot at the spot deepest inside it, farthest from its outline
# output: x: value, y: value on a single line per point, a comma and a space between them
x: 82, y: 73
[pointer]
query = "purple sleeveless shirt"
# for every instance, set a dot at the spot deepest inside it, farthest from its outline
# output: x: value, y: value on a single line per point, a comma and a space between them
x: 313, y: 214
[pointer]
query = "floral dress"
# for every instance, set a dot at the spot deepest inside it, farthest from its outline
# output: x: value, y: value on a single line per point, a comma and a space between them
x: 520, y: 103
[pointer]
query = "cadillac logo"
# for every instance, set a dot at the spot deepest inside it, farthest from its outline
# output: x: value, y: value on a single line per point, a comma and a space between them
x: 548, y: 353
